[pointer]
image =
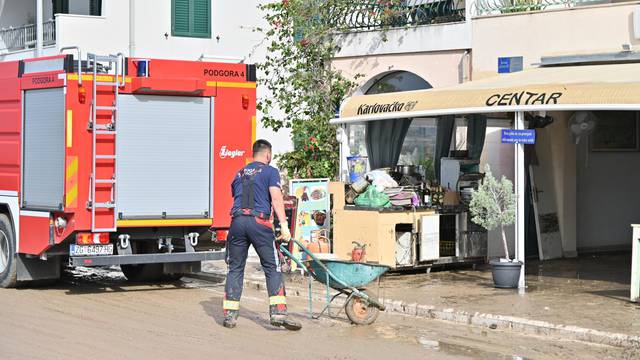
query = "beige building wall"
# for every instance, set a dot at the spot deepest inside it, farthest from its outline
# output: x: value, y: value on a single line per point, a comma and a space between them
x: 443, y: 68
x: 589, y: 29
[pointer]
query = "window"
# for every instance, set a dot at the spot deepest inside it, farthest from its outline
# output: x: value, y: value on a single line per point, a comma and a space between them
x: 60, y: 6
x: 77, y: 7
x: 398, y: 81
x: 191, y: 18
x: 95, y: 7
x: 419, y: 143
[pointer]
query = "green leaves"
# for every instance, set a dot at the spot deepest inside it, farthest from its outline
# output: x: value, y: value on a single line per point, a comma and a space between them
x: 304, y: 90
x: 494, y: 203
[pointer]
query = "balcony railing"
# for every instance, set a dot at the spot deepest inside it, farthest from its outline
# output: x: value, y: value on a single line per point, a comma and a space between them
x: 378, y: 14
x: 496, y: 7
x: 24, y: 37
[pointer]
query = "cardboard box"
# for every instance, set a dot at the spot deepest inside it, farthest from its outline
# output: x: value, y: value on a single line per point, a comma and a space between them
x: 451, y: 198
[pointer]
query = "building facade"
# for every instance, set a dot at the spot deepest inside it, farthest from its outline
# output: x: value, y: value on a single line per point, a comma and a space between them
x: 581, y: 190
x: 591, y: 188
x: 209, y: 30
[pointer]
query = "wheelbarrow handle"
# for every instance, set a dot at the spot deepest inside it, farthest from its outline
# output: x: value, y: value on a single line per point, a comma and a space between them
x: 284, y: 249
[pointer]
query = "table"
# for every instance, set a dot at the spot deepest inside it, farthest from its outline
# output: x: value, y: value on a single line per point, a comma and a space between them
x: 376, y: 229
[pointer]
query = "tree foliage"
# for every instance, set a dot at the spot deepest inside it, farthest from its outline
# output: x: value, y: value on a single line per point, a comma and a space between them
x: 302, y: 85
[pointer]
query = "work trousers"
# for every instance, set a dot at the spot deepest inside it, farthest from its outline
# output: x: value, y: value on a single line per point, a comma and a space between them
x: 245, y: 231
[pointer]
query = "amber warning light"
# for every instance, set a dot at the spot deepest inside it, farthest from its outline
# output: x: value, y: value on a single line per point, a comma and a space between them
x: 82, y: 94
x: 92, y: 238
x: 245, y: 101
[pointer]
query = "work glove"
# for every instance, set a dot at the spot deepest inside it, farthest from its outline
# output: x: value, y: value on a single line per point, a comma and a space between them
x: 285, y: 233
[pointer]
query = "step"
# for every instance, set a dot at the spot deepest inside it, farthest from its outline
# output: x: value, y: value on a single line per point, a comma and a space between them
x: 107, y: 205
x: 106, y: 132
x: 107, y: 83
x: 104, y: 230
x: 106, y: 127
x: 105, y: 157
x: 105, y: 181
x: 108, y: 108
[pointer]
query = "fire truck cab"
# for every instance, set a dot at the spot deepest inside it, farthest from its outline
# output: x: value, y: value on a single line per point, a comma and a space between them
x: 109, y: 160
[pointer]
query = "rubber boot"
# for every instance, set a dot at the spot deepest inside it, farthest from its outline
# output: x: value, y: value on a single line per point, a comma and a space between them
x: 230, y: 319
x: 283, y: 320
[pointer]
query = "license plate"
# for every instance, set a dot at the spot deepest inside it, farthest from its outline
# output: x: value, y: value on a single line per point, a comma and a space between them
x: 90, y: 250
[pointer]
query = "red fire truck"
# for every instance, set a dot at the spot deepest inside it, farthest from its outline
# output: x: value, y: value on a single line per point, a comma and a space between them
x: 111, y: 160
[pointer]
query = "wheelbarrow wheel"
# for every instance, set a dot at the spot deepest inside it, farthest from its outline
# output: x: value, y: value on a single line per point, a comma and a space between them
x: 360, y: 311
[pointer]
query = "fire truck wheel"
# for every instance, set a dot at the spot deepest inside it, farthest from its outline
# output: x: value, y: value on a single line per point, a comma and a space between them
x: 147, y: 272
x: 8, y: 272
x: 142, y: 272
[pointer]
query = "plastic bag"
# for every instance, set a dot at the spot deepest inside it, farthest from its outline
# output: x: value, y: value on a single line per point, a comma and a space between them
x: 372, y: 198
x: 381, y: 180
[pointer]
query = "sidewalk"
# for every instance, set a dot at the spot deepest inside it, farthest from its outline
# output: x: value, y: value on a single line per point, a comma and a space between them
x: 591, y: 291
x: 568, y: 296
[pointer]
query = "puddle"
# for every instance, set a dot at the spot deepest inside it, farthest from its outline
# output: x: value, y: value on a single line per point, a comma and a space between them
x: 429, y: 344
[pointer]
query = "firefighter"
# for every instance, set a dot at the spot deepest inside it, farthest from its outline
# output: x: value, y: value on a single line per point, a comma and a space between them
x: 256, y: 190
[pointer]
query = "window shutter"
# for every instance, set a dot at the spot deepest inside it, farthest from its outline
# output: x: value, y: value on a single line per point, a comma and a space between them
x: 201, y: 18
x: 60, y: 7
x: 95, y: 7
x: 181, y: 11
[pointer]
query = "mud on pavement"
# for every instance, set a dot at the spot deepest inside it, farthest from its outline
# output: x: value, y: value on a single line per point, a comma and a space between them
x: 97, y: 314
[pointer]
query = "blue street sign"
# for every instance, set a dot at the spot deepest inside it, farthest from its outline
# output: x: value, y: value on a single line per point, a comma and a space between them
x: 510, y: 64
x: 510, y: 136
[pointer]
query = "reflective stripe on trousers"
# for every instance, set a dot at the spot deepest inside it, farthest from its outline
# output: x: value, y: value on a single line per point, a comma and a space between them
x: 277, y: 300
x: 231, y: 305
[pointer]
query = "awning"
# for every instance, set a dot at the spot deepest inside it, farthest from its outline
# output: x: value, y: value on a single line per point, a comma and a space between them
x: 589, y: 87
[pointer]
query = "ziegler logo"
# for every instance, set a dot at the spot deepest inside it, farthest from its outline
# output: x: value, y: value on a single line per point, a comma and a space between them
x: 226, y: 153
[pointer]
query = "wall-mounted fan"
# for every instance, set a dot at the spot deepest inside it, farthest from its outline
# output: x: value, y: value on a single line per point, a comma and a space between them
x: 582, y: 123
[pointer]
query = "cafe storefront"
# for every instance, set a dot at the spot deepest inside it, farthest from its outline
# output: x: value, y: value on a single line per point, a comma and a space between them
x: 574, y: 186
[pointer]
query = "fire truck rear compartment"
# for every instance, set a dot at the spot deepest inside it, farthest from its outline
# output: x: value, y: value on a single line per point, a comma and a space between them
x: 164, y: 157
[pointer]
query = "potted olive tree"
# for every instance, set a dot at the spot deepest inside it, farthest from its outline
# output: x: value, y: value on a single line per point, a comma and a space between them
x: 493, y: 205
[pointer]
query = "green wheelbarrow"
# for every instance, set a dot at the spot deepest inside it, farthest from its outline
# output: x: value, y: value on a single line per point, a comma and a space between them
x: 348, y: 278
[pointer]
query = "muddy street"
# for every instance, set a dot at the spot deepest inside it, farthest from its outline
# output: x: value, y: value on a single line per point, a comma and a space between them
x: 97, y: 314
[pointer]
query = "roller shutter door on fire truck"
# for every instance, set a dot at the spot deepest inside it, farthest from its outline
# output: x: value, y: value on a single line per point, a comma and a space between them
x: 43, y: 149
x: 164, y: 161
